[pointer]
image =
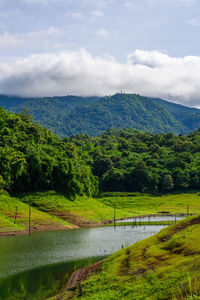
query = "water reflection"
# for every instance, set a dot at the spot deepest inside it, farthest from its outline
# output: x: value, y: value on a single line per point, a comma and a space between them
x: 154, y: 218
x: 49, y: 257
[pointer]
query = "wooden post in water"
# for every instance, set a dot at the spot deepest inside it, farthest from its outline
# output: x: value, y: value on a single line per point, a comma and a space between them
x: 29, y: 227
x: 114, y: 216
x: 15, y: 215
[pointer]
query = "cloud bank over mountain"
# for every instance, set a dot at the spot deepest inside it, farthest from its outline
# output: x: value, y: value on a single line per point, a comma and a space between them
x: 149, y: 73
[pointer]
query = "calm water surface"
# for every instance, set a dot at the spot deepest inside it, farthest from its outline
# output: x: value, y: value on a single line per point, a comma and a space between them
x: 154, y: 218
x: 38, y: 266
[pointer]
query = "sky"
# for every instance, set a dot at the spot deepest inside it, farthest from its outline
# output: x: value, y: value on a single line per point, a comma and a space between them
x: 100, y: 47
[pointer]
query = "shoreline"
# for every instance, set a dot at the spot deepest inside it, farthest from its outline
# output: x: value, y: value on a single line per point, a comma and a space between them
x: 37, y: 230
x: 82, y: 225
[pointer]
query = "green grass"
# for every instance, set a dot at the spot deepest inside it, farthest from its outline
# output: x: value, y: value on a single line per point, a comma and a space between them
x: 164, y: 266
x: 53, y: 208
x: 145, y: 204
x: 84, y: 209
x: 7, y: 225
x: 39, y: 219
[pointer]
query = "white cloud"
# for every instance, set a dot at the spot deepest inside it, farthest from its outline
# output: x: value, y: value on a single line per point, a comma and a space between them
x: 96, y: 13
x: 30, y: 39
x: 8, y: 41
x: 173, y: 2
x: 10, y: 13
x: 44, y: 2
x: 103, y: 33
x: 188, y: 2
x: 151, y: 59
x: 3, y: 26
x: 194, y: 22
x: 149, y: 73
x: 101, y: 4
x: 77, y: 15
x: 129, y: 4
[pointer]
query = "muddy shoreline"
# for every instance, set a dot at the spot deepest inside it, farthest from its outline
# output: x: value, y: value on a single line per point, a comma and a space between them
x: 52, y: 228
x: 80, y: 225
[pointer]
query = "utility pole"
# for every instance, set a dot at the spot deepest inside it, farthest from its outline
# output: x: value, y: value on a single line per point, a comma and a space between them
x: 15, y: 215
x: 187, y: 209
x: 29, y: 227
x: 114, y: 216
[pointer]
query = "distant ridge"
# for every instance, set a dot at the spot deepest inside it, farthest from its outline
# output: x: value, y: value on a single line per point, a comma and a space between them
x: 69, y: 115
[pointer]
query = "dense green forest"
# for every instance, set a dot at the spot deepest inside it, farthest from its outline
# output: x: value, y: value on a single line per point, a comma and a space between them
x: 131, y: 160
x: 93, y: 115
x: 33, y: 158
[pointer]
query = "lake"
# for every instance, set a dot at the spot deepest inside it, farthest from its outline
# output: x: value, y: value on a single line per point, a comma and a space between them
x: 154, y: 218
x: 39, y: 266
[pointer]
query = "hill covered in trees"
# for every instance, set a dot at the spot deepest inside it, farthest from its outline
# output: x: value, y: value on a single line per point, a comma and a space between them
x: 131, y: 160
x: 70, y: 115
x: 33, y: 158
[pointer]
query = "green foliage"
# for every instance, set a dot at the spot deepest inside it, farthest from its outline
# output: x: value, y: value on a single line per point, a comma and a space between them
x: 167, y: 183
x: 127, y: 160
x: 92, y: 115
x: 32, y: 158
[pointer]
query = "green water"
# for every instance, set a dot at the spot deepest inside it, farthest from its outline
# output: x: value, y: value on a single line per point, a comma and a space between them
x: 39, y: 266
x: 40, y: 283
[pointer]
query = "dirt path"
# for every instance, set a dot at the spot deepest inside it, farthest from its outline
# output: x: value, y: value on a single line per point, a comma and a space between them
x: 79, y: 276
x: 194, y: 221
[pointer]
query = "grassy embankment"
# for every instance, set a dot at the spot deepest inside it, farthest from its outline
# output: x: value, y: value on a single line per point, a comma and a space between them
x: 52, y: 210
x: 81, y: 211
x: 138, y: 204
x: 164, y: 266
x: 39, y: 220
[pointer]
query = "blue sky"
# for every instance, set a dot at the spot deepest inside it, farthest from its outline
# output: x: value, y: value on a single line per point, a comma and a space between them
x: 97, y: 47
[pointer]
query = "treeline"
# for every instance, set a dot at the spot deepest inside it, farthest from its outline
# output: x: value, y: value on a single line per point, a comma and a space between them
x: 130, y: 160
x: 32, y: 158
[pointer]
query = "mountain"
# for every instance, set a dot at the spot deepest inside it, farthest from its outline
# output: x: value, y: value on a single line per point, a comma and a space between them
x: 188, y: 116
x: 71, y: 115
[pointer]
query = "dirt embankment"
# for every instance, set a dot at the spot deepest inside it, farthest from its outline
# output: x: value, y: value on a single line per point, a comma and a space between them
x: 78, y: 220
x: 82, y: 274
x: 38, y: 228
x: 78, y: 277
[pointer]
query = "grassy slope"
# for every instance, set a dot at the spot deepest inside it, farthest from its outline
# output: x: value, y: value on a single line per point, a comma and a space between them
x: 80, y: 210
x: 39, y: 220
x: 143, y: 204
x: 165, y: 266
x: 53, y: 209
x: 7, y: 225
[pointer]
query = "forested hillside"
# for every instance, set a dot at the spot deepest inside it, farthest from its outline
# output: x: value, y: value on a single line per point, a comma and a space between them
x: 32, y: 158
x: 131, y: 160
x: 93, y: 115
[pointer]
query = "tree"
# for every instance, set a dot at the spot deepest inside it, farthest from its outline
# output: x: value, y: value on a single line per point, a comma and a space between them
x: 167, y: 183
